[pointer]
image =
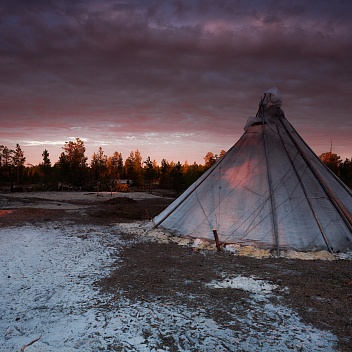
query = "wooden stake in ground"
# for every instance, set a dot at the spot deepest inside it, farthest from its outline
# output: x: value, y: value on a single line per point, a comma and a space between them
x: 217, y: 242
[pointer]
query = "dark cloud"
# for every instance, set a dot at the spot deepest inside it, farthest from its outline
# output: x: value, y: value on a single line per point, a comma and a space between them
x: 196, y: 68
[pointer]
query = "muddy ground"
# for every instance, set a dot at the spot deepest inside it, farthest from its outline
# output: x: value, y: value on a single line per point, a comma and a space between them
x: 320, y: 291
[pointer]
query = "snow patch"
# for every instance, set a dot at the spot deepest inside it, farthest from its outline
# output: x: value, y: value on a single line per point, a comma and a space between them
x: 344, y: 256
x: 147, y: 230
x: 322, y: 255
x: 248, y: 251
x: 249, y: 284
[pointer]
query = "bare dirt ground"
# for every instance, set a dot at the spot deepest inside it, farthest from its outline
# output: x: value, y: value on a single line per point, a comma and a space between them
x: 320, y: 291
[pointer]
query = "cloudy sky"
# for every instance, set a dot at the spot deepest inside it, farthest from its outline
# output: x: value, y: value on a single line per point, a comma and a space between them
x: 174, y: 79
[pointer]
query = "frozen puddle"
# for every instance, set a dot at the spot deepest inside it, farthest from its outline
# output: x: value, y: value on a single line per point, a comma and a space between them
x: 47, y: 275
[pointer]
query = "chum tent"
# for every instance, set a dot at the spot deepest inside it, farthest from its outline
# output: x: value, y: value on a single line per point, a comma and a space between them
x: 269, y: 190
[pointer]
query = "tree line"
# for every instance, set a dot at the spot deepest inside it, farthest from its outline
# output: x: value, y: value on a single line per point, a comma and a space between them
x: 342, y: 169
x: 105, y: 173
x: 102, y: 172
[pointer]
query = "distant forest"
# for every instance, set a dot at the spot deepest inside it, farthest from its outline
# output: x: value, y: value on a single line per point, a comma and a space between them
x: 73, y: 171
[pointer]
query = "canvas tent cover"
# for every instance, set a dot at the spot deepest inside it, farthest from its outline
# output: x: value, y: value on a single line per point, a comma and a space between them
x: 269, y: 190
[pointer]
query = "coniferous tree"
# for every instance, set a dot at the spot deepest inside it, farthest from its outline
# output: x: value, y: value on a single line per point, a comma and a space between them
x: 115, y: 166
x: 1, y: 162
x: 346, y: 172
x: 7, y: 159
x: 46, y: 160
x: 165, y: 181
x: 1, y: 148
x: 150, y: 172
x: 98, y: 165
x: 176, y: 176
x: 45, y: 167
x: 62, y: 168
x: 18, y: 162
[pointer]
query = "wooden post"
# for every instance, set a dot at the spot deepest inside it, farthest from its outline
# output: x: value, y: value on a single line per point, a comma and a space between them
x: 217, y: 240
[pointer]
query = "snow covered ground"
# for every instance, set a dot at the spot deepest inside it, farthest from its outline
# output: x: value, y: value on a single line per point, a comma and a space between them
x: 48, y: 298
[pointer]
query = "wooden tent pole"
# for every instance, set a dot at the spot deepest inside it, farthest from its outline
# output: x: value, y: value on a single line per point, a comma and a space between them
x: 217, y: 242
x: 272, y: 200
x: 305, y: 192
x: 338, y: 206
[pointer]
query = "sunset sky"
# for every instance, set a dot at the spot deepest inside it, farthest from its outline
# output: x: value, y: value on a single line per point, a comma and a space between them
x: 174, y: 79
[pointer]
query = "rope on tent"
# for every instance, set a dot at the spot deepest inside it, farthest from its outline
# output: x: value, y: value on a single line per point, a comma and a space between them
x: 272, y: 200
x: 244, y: 178
x: 217, y: 221
x: 213, y: 201
x: 205, y: 215
x: 261, y: 205
x: 254, y: 215
x: 249, y: 228
x: 348, y: 190
x: 203, y: 178
x: 180, y: 203
x: 305, y: 192
x: 253, y: 212
x: 340, y: 208
x: 314, y: 239
x: 217, y: 217
x: 220, y: 201
x: 201, y: 206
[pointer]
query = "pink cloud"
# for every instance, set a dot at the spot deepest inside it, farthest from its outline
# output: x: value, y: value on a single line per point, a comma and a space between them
x: 113, y: 70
